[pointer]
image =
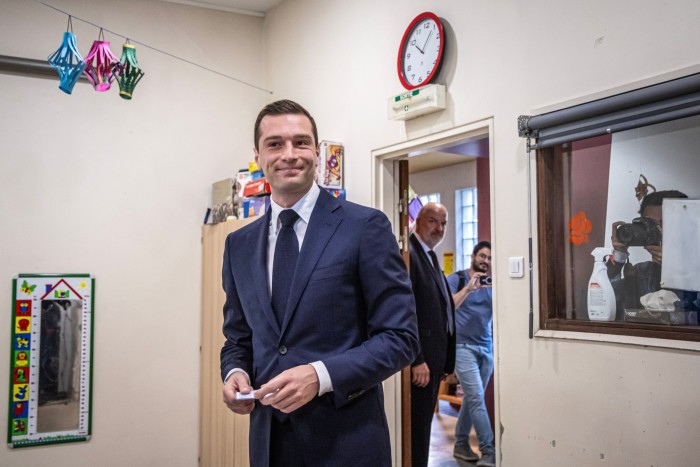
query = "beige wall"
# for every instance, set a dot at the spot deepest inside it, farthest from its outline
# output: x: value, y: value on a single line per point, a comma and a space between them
x: 561, y: 402
x: 92, y: 183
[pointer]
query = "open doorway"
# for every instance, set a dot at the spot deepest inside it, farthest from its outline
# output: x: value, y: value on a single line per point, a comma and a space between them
x: 438, y: 167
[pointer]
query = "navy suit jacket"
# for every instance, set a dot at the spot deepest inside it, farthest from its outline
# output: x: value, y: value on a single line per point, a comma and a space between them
x: 437, y: 347
x: 350, y: 306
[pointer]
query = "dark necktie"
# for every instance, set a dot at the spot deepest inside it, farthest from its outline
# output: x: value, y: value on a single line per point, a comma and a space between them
x: 443, y: 289
x: 286, y: 254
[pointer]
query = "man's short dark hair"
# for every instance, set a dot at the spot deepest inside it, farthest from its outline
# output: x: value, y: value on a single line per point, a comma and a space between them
x: 480, y: 246
x: 283, y: 107
x: 657, y: 198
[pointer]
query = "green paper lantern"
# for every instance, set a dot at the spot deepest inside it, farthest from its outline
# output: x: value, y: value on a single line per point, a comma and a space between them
x: 131, y: 74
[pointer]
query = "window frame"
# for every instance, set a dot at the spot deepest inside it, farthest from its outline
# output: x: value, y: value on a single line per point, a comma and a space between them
x: 672, y: 96
x: 462, y: 262
x: 550, y: 167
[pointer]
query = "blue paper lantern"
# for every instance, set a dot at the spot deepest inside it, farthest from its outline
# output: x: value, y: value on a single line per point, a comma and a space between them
x: 68, y: 62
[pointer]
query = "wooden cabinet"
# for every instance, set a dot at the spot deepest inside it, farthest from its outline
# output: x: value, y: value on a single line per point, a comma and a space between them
x: 223, y: 435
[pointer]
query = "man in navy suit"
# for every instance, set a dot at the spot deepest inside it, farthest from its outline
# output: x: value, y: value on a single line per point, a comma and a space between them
x: 435, y: 311
x: 346, y: 321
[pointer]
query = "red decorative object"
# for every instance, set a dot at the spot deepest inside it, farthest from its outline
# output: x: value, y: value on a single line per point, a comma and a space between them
x: 580, y: 227
x: 258, y: 187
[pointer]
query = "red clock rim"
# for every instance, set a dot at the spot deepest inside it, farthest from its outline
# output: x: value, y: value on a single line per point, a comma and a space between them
x: 416, y: 20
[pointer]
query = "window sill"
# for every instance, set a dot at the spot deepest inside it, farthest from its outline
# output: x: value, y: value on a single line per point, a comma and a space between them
x: 683, y: 338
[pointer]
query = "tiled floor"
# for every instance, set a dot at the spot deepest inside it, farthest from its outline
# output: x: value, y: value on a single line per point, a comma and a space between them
x: 442, y: 439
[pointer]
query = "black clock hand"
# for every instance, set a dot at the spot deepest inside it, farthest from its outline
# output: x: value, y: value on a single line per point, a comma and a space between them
x: 419, y: 50
x: 426, y: 42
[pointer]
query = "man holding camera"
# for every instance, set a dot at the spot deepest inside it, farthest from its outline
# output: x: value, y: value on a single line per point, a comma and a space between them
x: 631, y: 282
x: 472, y: 294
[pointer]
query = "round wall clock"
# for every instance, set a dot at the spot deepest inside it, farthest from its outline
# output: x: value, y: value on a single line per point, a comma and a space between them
x: 421, y: 51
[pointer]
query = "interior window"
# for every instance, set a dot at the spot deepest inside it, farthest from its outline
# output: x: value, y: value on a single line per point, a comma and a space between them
x: 429, y: 198
x: 466, y: 225
x: 631, y: 198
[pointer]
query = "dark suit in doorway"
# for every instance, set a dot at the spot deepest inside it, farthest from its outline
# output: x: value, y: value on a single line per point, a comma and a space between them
x: 434, y: 309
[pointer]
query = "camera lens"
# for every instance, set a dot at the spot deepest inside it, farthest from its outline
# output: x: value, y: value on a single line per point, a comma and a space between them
x: 626, y: 233
x: 485, y: 280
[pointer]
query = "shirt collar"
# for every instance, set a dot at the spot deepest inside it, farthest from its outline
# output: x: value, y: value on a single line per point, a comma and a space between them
x: 426, y: 248
x: 304, y: 207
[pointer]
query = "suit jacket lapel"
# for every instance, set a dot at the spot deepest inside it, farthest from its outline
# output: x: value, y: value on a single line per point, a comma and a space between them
x: 322, y: 225
x: 428, y: 263
x: 259, y: 270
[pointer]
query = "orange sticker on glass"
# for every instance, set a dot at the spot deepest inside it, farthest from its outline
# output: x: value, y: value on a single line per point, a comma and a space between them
x: 580, y: 227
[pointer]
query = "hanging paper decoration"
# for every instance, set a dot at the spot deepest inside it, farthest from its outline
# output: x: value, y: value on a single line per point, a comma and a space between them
x: 580, y: 226
x: 68, y: 61
x: 102, y: 65
x: 131, y: 74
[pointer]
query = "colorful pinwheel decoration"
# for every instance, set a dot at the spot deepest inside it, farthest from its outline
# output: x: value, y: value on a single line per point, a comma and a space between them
x: 68, y: 61
x: 102, y: 65
x: 131, y: 74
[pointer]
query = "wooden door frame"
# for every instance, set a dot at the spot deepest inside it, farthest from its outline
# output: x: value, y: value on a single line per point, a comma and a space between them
x: 386, y: 197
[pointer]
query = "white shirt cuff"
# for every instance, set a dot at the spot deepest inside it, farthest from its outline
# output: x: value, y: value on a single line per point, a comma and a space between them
x: 324, y: 379
x: 236, y: 370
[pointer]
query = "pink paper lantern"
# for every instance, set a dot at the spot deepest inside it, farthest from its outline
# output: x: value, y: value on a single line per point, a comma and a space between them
x: 102, y: 65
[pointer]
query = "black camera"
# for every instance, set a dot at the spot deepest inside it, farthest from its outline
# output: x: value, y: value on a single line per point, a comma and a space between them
x: 485, y: 280
x: 641, y: 231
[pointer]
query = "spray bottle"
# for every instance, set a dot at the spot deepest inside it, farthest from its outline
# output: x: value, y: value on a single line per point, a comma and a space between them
x: 601, y: 296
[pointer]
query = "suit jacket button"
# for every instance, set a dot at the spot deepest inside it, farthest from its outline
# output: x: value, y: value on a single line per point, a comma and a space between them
x: 282, y: 350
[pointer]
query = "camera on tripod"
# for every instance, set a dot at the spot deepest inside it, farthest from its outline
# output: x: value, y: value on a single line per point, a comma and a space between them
x: 641, y: 231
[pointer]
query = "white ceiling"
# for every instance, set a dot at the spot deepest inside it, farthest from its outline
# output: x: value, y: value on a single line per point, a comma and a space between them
x: 245, y: 7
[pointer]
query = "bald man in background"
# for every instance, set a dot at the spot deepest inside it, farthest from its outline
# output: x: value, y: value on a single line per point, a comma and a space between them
x: 435, y: 312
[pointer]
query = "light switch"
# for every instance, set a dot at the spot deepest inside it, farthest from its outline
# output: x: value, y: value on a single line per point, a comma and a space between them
x: 516, y: 266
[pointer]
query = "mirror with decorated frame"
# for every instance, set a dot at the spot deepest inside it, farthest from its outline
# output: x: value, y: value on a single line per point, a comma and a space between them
x: 51, y: 359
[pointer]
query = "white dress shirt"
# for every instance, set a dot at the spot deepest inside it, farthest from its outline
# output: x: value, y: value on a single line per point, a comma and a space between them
x: 304, y: 207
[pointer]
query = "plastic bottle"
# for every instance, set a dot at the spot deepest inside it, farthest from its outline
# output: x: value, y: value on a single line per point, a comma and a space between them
x: 601, y: 296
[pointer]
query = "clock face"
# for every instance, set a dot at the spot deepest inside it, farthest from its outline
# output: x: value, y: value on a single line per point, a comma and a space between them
x: 420, y: 52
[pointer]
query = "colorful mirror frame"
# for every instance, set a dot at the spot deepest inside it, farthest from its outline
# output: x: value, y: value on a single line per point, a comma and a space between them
x: 51, y: 359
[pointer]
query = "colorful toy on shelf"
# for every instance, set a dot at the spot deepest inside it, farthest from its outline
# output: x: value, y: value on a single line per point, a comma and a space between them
x: 102, y: 65
x: 258, y: 187
x: 68, y: 61
x: 131, y: 73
